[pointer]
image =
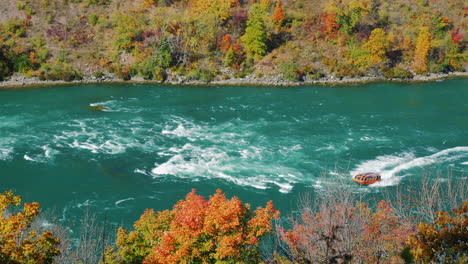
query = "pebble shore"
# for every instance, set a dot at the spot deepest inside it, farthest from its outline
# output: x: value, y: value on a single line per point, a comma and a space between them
x: 21, y: 81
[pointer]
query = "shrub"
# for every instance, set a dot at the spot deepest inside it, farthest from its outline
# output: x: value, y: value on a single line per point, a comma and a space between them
x: 92, y: 19
x: 398, y: 73
x: 316, y: 75
x: 159, y: 74
x: 289, y: 71
x: 97, y: 2
x: 59, y: 71
x: 122, y: 72
x: 21, y: 62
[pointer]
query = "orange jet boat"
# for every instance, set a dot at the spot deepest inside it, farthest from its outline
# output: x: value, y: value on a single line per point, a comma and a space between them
x: 367, y: 178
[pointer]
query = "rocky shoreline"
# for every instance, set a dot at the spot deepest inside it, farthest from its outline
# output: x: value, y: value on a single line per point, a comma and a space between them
x: 18, y: 81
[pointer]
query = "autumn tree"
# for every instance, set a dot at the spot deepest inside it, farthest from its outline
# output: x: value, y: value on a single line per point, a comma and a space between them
x: 340, y: 232
x: 374, y: 50
x: 220, y: 10
x: 255, y: 36
x: 197, y: 230
x: 423, y: 44
x: 331, y: 26
x: 278, y: 14
x: 384, y: 235
x: 226, y: 43
x: 19, y: 244
x: 443, y: 241
x: 349, y: 12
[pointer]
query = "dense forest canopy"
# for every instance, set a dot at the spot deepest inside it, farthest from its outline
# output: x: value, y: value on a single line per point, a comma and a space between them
x: 206, y: 39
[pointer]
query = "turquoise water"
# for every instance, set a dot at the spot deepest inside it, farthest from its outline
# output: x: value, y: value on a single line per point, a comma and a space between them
x: 155, y: 143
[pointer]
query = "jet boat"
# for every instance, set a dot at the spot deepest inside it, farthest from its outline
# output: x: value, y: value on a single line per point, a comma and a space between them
x: 367, y: 178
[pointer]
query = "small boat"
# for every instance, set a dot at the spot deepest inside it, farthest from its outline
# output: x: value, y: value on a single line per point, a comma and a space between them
x: 98, y: 108
x: 367, y: 178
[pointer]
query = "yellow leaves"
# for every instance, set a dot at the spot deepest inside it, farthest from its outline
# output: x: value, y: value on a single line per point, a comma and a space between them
x: 7, y: 199
x: 363, y: 5
x: 148, y: 3
x: 31, y: 210
x: 376, y: 46
x: 15, y: 245
x: 220, y: 9
x: 265, y: 4
x: 373, y: 52
x: 423, y: 44
x: 447, y: 235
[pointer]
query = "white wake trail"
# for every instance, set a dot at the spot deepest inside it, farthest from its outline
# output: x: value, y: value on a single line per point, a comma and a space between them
x: 390, y: 167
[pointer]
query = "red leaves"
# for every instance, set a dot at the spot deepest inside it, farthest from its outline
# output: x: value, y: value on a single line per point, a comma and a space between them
x: 189, y: 213
x: 457, y: 37
x: 278, y: 14
x: 330, y: 22
x: 340, y: 230
x: 226, y: 42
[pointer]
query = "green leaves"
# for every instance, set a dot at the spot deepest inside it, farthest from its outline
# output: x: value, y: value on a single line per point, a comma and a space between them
x: 255, y: 36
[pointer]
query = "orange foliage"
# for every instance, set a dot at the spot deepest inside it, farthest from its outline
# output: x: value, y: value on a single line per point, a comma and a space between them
x: 330, y: 22
x: 17, y: 243
x: 384, y: 236
x: 445, y: 240
x: 278, y: 14
x: 149, y: 3
x: 226, y: 42
x: 197, y: 230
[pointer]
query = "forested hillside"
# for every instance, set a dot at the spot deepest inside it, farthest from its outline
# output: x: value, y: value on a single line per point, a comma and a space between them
x: 223, y: 39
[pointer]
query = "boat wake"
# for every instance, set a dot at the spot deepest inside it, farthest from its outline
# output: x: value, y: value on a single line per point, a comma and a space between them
x: 394, y: 168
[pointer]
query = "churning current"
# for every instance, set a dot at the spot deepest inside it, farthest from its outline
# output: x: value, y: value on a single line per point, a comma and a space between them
x: 125, y: 147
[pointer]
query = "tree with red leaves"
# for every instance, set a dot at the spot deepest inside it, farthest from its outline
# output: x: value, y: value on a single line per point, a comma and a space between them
x: 339, y: 232
x: 197, y: 230
x: 278, y: 14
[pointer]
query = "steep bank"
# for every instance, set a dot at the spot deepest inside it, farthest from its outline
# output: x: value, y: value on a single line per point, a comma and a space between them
x: 266, y: 42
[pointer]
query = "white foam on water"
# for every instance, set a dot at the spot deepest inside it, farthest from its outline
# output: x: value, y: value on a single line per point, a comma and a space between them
x: 391, y: 167
x: 378, y: 139
x: 5, y: 153
x: 328, y: 147
x: 6, y: 147
x: 95, y: 136
x: 141, y: 172
x: 121, y: 105
x: 26, y: 157
x: 85, y: 203
x: 248, y: 169
x: 124, y: 200
x: 225, y: 133
x: 49, y: 152
x: 464, y: 163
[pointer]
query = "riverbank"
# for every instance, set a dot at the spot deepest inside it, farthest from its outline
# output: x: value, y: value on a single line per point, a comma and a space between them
x: 19, y: 81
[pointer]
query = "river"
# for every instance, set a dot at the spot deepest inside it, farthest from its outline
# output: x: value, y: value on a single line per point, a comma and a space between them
x: 152, y: 144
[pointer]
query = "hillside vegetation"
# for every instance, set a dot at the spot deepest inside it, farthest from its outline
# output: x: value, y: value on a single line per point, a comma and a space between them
x: 223, y: 39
